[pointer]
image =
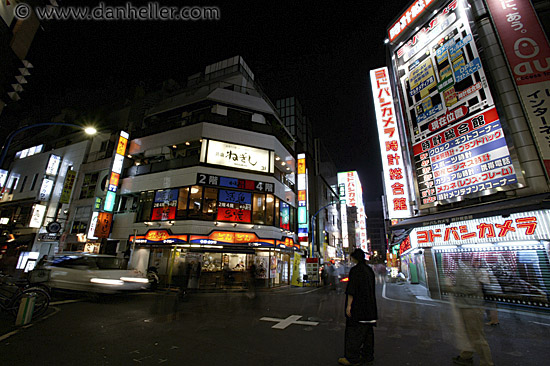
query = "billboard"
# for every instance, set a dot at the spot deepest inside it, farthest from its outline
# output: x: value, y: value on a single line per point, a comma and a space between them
x: 528, y: 54
x: 459, y: 147
x: 237, y: 156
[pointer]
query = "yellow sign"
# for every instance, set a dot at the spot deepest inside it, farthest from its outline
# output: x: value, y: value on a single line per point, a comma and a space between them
x: 296, y: 270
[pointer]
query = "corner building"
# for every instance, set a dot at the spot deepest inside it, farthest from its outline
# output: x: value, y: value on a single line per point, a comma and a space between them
x: 208, y: 185
x: 465, y: 147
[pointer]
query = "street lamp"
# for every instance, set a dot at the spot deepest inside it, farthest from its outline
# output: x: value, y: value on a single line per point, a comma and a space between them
x: 313, y: 227
x: 88, y: 129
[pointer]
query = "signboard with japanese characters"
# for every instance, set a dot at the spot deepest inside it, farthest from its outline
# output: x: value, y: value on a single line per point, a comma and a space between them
x: 531, y: 225
x: 395, y: 178
x: 165, y: 205
x: 103, y: 225
x: 246, y: 184
x: 528, y: 54
x: 238, y: 156
x: 38, y: 212
x: 45, y: 189
x: 53, y: 165
x: 459, y: 146
x: 234, y: 206
x: 68, y: 186
x: 116, y: 171
x: 303, y: 220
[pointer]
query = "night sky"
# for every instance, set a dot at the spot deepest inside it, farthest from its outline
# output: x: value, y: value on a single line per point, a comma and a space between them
x: 319, y: 52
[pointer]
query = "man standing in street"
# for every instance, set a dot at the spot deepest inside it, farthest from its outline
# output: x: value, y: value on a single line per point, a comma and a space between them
x: 361, y: 313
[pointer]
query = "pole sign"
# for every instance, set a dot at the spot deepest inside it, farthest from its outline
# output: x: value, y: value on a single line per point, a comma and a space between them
x: 303, y: 228
x: 528, y: 54
x: 116, y: 171
x: 68, y: 186
x: 393, y: 166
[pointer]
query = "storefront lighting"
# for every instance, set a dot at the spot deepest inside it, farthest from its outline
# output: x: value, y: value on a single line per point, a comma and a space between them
x: 187, y: 143
x: 138, y: 163
x: 194, y: 190
x: 277, y: 158
x: 174, y: 146
x: 129, y: 156
x: 283, y: 163
x: 287, y: 168
x: 216, y: 223
x: 386, y: 41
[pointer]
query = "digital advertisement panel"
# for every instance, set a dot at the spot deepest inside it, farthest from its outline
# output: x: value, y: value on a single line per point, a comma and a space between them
x: 459, y: 146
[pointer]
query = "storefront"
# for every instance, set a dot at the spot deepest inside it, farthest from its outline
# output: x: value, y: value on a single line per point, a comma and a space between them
x: 220, y: 260
x: 513, y: 248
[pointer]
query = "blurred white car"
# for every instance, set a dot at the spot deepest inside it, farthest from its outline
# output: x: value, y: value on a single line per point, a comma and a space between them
x: 93, y: 273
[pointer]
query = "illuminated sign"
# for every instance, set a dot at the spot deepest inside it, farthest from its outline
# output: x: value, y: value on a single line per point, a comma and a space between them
x: 45, y: 189
x: 93, y: 224
x: 344, y: 215
x: 38, y: 212
x: 165, y: 204
x: 408, y: 17
x: 116, y: 171
x: 532, y: 225
x: 3, y: 177
x: 53, y: 165
x: 109, y: 201
x: 528, y: 54
x: 393, y: 165
x: 459, y: 147
x: 246, y: 184
x: 303, y: 226
x: 234, y: 206
x: 238, y: 156
x: 4, y: 220
x: 103, y: 224
x: 68, y: 187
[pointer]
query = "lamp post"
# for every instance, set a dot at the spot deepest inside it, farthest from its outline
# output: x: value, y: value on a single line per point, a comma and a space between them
x: 89, y: 130
x: 313, y: 218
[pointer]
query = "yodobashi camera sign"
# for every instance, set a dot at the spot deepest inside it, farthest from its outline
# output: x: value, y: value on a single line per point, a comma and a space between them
x: 237, y: 156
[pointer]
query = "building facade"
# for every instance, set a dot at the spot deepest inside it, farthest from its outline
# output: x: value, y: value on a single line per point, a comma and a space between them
x: 464, y: 148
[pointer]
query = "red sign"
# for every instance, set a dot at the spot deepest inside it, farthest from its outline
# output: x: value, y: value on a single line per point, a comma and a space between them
x: 157, y: 235
x: 408, y: 17
x: 523, y: 39
x: 115, y: 177
x: 164, y: 213
x: 103, y: 226
x: 233, y: 215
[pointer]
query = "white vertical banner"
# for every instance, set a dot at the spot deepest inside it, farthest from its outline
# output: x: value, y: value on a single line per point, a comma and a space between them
x: 395, y: 179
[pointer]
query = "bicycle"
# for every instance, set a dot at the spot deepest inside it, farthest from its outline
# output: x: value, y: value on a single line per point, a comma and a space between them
x: 11, y: 295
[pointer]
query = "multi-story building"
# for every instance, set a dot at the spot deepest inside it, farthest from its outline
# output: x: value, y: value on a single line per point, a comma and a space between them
x: 465, y: 148
x: 208, y: 183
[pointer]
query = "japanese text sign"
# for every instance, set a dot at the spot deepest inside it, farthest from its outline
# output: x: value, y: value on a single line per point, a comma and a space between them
x: 395, y: 178
x: 239, y: 156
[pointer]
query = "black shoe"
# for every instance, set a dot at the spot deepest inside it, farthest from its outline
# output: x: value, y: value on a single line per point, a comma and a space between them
x: 463, y: 361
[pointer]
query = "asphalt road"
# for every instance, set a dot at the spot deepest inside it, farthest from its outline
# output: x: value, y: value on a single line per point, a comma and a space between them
x: 232, y: 329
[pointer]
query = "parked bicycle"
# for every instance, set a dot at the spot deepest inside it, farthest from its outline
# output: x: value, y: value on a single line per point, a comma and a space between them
x: 12, y: 293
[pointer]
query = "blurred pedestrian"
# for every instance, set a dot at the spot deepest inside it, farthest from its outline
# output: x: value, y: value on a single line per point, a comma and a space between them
x: 468, y: 293
x: 361, y: 313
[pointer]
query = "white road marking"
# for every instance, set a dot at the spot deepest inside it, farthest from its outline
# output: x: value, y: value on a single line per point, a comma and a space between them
x: 284, y: 323
x: 405, y: 301
x: 64, y: 302
x: 548, y: 325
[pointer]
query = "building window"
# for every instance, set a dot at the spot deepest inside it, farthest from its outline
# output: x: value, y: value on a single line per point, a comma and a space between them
x: 145, y: 205
x: 269, y: 208
x: 195, y: 202
x: 33, y: 182
x: 79, y: 227
x: 277, y: 212
x: 23, y: 184
x: 88, y: 185
x: 258, y: 214
x: 210, y: 203
x: 182, y: 203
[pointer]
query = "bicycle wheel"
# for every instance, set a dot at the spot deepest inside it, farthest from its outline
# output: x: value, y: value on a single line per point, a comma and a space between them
x: 41, y: 302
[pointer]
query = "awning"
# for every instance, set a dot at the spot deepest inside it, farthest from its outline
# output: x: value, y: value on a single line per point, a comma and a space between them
x: 507, y: 207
